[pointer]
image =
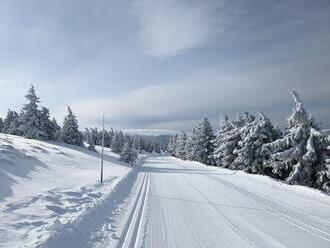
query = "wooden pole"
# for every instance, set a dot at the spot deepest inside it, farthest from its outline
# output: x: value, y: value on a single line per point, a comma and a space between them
x: 102, y: 149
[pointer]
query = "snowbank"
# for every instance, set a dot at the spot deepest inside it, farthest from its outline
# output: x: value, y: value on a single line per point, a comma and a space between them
x: 47, y: 184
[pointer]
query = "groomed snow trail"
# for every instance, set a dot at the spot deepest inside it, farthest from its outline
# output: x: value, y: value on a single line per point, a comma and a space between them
x: 192, y: 205
x: 167, y: 202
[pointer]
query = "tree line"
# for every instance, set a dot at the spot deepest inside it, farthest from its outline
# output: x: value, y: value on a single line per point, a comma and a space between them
x: 34, y: 122
x: 299, y: 155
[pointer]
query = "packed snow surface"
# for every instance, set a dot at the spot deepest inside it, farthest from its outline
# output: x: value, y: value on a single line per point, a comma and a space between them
x: 161, y: 202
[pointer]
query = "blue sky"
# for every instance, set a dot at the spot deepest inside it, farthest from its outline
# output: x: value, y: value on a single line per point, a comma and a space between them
x: 165, y: 64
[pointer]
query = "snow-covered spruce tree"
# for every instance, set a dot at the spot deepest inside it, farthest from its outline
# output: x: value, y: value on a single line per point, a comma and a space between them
x: 228, y: 139
x: 85, y: 133
x: 30, y: 117
x: 221, y: 152
x: 180, y: 151
x: 204, y: 147
x: 127, y: 138
x: 147, y: 146
x: 318, y: 149
x: 128, y: 155
x: 116, y: 145
x: 7, y: 121
x: 11, y: 123
x: 90, y: 142
x: 56, y: 129
x: 1, y: 125
x: 121, y: 140
x: 106, y: 138
x: 293, y: 158
x: 171, y: 147
x: 253, y: 135
x: 99, y: 137
x: 111, y: 135
x: 95, y: 136
x: 137, y: 143
x: 325, y: 184
x: 157, y: 148
x: 46, y: 125
x: 70, y: 133
x: 191, y: 146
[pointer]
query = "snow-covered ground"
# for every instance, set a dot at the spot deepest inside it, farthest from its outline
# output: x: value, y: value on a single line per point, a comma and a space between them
x: 162, y: 202
x: 44, y: 185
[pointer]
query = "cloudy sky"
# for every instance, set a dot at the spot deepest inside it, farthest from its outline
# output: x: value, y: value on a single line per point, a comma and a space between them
x: 164, y: 64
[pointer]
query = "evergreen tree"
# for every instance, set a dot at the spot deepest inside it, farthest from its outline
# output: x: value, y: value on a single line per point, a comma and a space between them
x: 14, y: 127
x: 99, y: 137
x: 94, y: 133
x: 116, y: 145
x: 128, y: 155
x: 323, y: 175
x: 121, y: 140
x: 137, y: 143
x: 7, y: 121
x: 1, y: 125
x: 11, y: 123
x: 221, y: 152
x: 253, y: 135
x: 293, y: 157
x: 157, y: 148
x: 318, y: 153
x: 204, y: 146
x: 30, y: 117
x: 70, y: 133
x: 180, y: 151
x: 56, y: 129
x: 90, y: 142
x: 106, y: 139
x: 45, y: 125
x: 111, y: 135
x: 228, y: 139
x: 171, y: 147
x: 190, y: 146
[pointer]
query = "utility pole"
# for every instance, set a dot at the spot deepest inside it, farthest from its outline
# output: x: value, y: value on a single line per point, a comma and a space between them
x: 102, y: 149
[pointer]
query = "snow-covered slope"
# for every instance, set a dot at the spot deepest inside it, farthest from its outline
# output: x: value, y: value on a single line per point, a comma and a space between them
x: 44, y: 184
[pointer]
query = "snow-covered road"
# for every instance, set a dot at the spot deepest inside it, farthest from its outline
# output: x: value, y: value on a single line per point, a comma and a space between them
x: 173, y: 203
x: 184, y: 204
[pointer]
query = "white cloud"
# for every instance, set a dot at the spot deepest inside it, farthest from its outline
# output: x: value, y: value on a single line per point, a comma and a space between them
x: 171, y: 27
x: 179, y: 105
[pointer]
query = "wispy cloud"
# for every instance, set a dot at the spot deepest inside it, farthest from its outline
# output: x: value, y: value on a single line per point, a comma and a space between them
x: 181, y: 104
x: 171, y: 27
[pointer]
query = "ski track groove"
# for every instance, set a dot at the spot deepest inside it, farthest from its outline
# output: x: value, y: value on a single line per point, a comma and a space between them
x: 126, y: 239
x: 143, y: 210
